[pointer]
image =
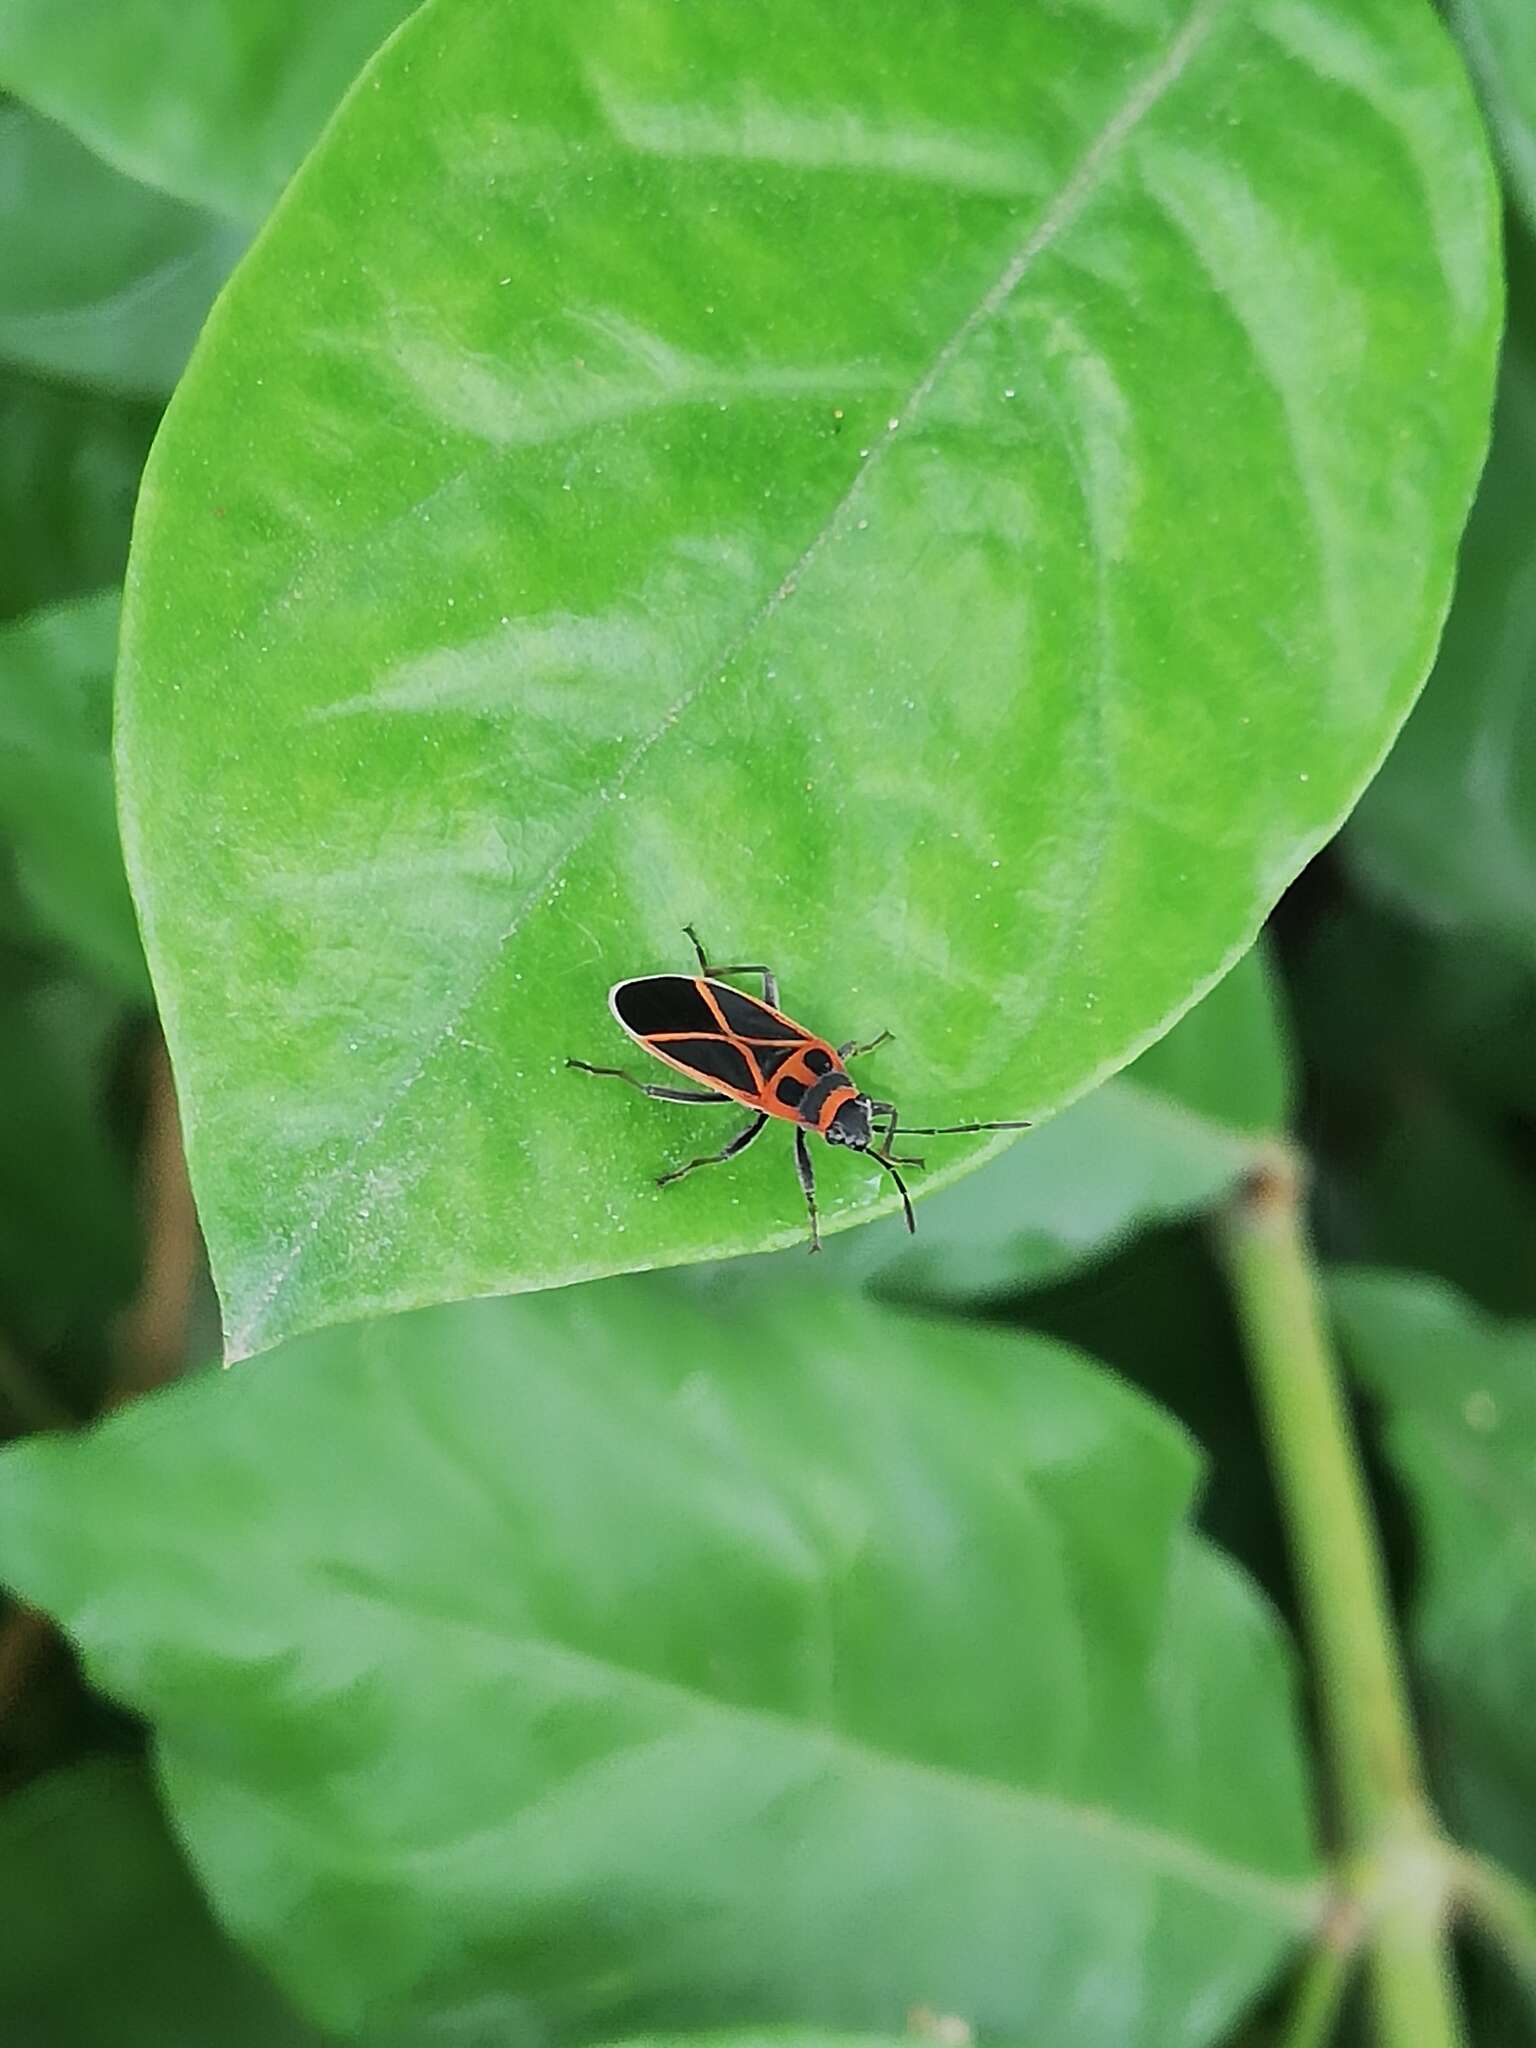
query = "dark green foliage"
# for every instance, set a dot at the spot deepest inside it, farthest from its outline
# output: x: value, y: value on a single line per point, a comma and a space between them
x: 956, y: 501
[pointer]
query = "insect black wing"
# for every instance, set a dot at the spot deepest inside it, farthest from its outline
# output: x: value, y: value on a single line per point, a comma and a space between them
x: 712, y: 1059
x: 750, y: 1019
x: 663, y: 1002
x: 709, y: 1029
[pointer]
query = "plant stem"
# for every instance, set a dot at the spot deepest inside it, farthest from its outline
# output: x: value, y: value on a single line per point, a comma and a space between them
x: 1395, y: 1863
x: 1320, y: 1994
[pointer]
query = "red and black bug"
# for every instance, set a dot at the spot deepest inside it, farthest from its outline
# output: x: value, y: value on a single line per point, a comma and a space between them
x: 750, y: 1052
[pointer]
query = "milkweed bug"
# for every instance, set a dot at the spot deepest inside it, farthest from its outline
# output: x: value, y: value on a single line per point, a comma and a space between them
x: 750, y: 1052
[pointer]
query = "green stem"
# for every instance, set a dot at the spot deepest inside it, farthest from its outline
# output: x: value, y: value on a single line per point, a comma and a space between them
x: 1395, y: 1863
x: 1319, y: 1995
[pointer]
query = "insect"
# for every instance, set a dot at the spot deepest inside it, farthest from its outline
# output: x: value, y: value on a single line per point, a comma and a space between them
x: 750, y: 1052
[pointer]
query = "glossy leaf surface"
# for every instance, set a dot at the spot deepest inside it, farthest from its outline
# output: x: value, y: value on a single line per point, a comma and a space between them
x: 103, y: 281
x: 598, y: 1662
x: 647, y: 475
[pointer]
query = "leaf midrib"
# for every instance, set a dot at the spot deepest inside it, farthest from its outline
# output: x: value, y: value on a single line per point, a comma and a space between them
x: 1058, y: 215
x: 1295, y: 1903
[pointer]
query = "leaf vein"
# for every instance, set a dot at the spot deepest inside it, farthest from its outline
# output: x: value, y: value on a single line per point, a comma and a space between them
x: 1177, y: 1856
x: 1056, y: 217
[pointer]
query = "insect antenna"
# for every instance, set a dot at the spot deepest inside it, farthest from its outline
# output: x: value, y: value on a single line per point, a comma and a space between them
x: 901, y: 1186
x: 949, y: 1130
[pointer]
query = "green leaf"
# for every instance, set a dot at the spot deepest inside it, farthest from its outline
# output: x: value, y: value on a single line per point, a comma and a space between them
x: 1165, y: 1139
x: 216, y: 102
x: 1448, y: 829
x: 1459, y: 1394
x: 69, y: 473
x: 56, y: 800
x: 102, y: 281
x: 1440, y: 1190
x: 1416, y: 1043
x: 782, y: 2037
x: 600, y: 1662
x: 600, y: 509
x: 1384, y: 1003
x: 68, y: 1230
x: 107, y: 1943
x: 1499, y: 37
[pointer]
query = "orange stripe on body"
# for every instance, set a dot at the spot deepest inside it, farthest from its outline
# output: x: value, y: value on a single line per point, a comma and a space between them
x: 764, y: 1096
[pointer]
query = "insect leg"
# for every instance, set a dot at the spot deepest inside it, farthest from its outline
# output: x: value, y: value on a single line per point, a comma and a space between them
x: 651, y: 1088
x: 887, y: 1137
x: 770, y: 979
x: 852, y: 1050
x: 739, y: 1143
x: 953, y: 1130
x: 807, y: 1178
x: 887, y: 1111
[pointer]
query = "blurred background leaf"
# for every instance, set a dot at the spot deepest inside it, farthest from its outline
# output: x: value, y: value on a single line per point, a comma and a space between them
x: 1499, y: 37
x: 109, y: 1944
x: 69, y: 473
x: 69, y: 1245
x: 1421, y: 1099
x: 1448, y: 828
x: 57, y: 807
x: 1458, y: 1397
x: 103, y: 282
x: 216, y: 103
x: 107, y: 1941
x: 628, y: 1659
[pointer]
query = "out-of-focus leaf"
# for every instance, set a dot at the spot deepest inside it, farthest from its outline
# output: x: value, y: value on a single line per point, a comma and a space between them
x: 107, y: 1943
x: 601, y: 1662
x: 69, y: 473
x: 1438, y: 1190
x: 68, y: 1232
x: 1166, y: 1138
x: 216, y: 102
x: 787, y: 2037
x: 1499, y: 37
x: 102, y: 281
x: 1448, y: 828
x: 613, y: 429
x: 56, y: 800
x: 1381, y: 1002
x: 1459, y: 1396
x: 1158, y: 1311
x: 1417, y: 1047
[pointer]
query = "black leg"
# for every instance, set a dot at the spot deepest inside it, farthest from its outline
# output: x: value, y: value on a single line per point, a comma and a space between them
x: 852, y: 1050
x: 955, y: 1130
x: 739, y: 1143
x: 887, y: 1112
x: 807, y: 1175
x: 651, y: 1088
x: 770, y: 979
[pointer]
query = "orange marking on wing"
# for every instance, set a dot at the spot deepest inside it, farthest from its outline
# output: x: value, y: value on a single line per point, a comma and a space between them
x: 764, y: 1096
